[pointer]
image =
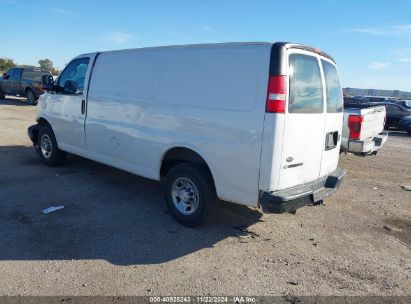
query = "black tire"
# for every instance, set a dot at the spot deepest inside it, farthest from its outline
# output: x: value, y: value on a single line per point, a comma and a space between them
x: 31, y: 97
x: 50, y: 155
x: 2, y: 96
x: 200, y: 177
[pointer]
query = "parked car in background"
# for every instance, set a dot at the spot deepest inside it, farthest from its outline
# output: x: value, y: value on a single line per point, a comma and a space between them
x: 395, y: 112
x: 257, y: 124
x: 363, y: 130
x: 24, y: 82
x: 405, y: 103
x: 405, y: 124
x: 350, y: 100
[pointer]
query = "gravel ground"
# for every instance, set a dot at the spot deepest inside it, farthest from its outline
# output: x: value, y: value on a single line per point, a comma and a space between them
x: 115, y: 236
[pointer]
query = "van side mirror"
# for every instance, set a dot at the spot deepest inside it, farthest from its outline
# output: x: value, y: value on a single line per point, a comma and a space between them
x: 47, y: 82
x: 70, y: 87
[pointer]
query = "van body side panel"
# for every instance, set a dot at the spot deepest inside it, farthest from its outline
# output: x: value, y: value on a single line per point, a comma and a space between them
x: 271, y: 151
x: 210, y: 99
x: 117, y: 128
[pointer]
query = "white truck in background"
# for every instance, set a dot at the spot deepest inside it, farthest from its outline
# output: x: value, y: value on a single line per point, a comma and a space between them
x: 363, y: 130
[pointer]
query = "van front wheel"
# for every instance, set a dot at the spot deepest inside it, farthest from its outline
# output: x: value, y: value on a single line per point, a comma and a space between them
x: 189, y: 193
x: 50, y: 154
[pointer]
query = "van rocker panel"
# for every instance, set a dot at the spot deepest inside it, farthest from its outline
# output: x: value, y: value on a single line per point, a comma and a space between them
x: 291, y: 199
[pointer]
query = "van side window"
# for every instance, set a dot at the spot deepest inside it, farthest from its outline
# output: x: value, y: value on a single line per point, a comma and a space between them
x: 76, y: 72
x: 333, y: 88
x: 306, y: 93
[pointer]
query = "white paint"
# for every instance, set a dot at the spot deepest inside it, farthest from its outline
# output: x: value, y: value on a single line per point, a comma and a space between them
x: 208, y: 98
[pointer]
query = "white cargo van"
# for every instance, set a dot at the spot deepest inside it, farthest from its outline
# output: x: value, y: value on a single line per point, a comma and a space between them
x: 257, y: 124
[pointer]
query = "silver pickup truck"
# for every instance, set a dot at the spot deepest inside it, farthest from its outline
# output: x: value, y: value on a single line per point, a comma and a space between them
x: 363, y: 130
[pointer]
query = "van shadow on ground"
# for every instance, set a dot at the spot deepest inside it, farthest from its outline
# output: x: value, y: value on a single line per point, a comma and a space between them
x: 108, y: 214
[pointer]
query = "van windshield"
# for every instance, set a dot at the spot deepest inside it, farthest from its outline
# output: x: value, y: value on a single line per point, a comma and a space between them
x: 333, y: 88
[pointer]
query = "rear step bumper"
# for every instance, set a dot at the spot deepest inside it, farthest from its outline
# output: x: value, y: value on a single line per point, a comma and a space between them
x: 289, y: 200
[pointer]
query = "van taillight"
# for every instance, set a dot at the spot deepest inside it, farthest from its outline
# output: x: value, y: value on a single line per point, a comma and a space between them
x: 41, y: 88
x: 355, y: 124
x: 276, y: 94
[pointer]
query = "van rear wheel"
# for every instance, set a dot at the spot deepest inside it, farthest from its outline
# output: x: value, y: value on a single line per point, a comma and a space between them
x: 189, y: 193
x: 49, y: 153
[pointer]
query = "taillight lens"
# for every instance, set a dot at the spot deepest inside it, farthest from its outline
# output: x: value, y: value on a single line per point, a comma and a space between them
x: 355, y: 124
x: 276, y: 95
x: 41, y: 88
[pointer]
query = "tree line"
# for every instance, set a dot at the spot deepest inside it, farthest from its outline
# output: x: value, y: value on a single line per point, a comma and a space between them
x: 47, y: 64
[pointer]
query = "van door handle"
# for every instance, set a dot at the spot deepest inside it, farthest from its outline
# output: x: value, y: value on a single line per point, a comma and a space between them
x: 83, y: 106
x: 331, y: 140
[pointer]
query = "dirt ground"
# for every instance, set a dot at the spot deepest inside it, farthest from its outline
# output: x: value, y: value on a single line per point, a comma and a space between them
x: 115, y: 236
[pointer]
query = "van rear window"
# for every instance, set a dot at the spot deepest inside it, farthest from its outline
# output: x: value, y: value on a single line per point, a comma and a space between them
x: 333, y: 88
x: 306, y: 92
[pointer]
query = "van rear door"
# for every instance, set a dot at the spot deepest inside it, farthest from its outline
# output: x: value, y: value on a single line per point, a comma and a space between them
x: 333, y: 118
x: 305, y: 120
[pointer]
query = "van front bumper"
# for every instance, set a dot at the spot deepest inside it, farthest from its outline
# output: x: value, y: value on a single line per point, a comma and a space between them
x: 289, y: 200
x: 32, y: 132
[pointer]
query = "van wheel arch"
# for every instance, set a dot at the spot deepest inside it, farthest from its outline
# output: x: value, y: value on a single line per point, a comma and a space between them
x: 42, y: 121
x: 48, y: 149
x: 178, y: 155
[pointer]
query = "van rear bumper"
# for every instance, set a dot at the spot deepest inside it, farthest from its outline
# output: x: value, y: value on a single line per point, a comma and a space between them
x: 289, y: 200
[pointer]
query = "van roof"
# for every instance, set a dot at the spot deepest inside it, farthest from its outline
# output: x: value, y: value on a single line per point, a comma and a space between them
x: 285, y: 45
